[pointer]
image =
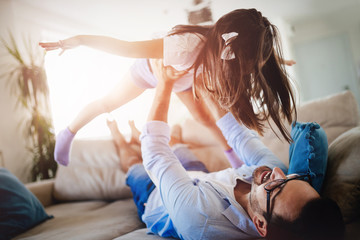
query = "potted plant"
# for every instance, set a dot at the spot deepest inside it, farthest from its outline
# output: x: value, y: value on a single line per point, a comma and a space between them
x: 28, y: 82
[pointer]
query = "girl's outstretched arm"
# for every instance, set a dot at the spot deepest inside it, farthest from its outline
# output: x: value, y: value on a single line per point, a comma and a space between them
x: 138, y: 49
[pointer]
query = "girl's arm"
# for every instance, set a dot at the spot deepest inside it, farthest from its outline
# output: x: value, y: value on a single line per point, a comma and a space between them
x: 138, y: 49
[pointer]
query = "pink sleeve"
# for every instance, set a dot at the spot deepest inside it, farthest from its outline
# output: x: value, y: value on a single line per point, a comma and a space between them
x: 181, y: 51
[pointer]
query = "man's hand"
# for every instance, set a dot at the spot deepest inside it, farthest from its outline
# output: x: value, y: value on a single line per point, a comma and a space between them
x: 165, y: 74
x: 289, y: 62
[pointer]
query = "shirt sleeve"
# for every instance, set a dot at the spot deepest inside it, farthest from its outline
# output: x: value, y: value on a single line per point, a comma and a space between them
x: 247, y: 144
x: 163, y: 167
x: 181, y: 50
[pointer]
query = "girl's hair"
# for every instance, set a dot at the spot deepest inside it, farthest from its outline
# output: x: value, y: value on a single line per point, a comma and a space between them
x: 254, y: 85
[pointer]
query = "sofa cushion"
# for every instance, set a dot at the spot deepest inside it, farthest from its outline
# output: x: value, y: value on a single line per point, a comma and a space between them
x: 336, y: 114
x: 87, y: 220
x: 20, y: 210
x: 93, y: 173
x: 342, y: 181
x: 142, y: 234
x: 308, y: 152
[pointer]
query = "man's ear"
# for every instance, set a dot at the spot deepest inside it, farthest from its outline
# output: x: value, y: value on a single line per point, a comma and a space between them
x: 260, y: 224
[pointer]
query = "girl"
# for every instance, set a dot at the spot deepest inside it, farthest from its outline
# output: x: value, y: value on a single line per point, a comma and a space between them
x: 237, y: 60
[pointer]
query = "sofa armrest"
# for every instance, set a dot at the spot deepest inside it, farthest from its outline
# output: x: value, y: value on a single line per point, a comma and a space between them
x: 43, y: 190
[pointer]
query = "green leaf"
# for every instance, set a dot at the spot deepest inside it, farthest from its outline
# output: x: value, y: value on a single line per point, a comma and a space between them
x: 28, y: 82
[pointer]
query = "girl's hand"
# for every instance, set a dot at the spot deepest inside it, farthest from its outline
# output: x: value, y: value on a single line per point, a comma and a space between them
x: 289, y: 62
x: 63, y: 44
x: 165, y: 74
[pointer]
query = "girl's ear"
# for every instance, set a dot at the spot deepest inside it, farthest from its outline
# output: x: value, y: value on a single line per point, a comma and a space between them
x: 260, y: 224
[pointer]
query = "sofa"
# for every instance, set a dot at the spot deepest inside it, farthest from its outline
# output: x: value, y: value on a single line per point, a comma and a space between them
x: 90, y: 200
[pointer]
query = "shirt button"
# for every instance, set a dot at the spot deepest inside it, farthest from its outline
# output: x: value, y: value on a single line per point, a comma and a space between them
x: 244, y: 175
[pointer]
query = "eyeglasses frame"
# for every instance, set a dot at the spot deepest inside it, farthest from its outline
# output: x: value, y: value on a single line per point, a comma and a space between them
x: 283, y: 182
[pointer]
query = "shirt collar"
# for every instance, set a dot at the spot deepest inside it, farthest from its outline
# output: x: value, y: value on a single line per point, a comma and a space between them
x: 237, y: 215
x: 240, y: 218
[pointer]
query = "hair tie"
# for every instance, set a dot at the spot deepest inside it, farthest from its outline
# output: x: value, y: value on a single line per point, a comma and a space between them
x: 227, y: 53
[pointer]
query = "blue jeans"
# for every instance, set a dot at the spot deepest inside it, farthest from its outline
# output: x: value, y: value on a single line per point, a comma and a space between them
x: 141, y: 185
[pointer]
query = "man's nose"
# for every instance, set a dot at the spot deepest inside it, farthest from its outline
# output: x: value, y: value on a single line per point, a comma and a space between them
x: 277, y: 173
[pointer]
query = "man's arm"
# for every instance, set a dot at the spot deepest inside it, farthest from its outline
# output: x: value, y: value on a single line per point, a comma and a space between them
x: 160, y: 106
x: 179, y: 193
x: 167, y: 77
x: 160, y: 162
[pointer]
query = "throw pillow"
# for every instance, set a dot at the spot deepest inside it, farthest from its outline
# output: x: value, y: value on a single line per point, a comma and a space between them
x: 308, y: 152
x: 20, y: 210
x: 342, y: 182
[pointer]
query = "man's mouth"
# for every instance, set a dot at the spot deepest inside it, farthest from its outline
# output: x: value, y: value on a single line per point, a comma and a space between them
x: 265, y: 176
x: 261, y: 175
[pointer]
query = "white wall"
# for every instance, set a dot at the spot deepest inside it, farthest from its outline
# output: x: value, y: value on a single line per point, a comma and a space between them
x: 342, y: 28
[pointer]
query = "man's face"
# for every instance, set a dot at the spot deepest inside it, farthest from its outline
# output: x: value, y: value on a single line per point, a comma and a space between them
x: 286, y: 201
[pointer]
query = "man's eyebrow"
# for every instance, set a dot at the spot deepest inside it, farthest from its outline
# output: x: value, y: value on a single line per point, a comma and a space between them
x: 282, y: 187
x: 273, y: 200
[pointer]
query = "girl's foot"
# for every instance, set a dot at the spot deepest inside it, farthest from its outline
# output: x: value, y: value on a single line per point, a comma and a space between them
x: 62, y: 146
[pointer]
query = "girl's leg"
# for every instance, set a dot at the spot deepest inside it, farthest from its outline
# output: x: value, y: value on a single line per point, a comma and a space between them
x: 118, y: 96
x: 202, y: 114
x: 122, y: 93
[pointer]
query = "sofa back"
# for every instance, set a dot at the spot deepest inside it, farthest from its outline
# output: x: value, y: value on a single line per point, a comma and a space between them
x: 336, y: 114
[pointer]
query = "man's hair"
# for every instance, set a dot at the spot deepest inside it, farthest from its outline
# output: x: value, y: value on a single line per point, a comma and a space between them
x: 319, y: 219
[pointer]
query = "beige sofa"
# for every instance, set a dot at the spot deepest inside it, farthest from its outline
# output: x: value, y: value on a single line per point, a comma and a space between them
x: 89, y: 199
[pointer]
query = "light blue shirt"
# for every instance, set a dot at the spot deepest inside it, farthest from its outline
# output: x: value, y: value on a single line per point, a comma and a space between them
x: 198, y: 205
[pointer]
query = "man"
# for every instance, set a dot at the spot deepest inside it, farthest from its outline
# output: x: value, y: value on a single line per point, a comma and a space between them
x: 253, y: 201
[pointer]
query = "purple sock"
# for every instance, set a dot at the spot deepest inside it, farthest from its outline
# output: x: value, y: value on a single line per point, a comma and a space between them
x: 234, y: 160
x: 62, y: 146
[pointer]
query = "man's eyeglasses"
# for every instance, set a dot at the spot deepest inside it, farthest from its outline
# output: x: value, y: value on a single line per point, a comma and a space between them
x: 271, y: 186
